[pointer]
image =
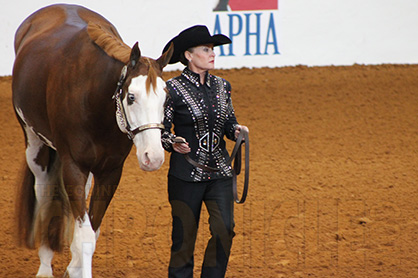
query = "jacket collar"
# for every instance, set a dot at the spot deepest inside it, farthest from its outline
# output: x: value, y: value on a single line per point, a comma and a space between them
x: 195, y: 78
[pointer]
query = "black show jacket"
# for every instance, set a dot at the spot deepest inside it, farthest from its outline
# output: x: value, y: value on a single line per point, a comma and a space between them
x: 202, y: 114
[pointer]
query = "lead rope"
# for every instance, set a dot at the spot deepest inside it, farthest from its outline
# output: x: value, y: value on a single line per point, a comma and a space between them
x: 236, y: 156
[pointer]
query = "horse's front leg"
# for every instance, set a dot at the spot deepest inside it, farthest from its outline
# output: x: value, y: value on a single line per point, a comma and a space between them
x: 82, y: 249
x: 106, y: 183
x: 83, y: 244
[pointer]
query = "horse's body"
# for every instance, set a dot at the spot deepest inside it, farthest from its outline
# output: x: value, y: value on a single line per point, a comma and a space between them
x: 68, y: 63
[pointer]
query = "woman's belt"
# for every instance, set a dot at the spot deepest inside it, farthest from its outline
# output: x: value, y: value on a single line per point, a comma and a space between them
x: 236, y: 156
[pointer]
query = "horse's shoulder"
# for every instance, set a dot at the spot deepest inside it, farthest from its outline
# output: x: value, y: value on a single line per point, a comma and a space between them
x: 108, y: 40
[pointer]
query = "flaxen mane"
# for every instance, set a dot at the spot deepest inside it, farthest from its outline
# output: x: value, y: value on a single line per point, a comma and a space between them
x: 113, y: 46
x: 117, y: 49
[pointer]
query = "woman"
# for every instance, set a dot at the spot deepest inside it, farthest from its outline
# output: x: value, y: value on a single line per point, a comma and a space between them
x: 200, y: 108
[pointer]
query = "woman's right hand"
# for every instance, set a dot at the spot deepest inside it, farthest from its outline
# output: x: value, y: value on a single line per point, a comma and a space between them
x: 180, y: 145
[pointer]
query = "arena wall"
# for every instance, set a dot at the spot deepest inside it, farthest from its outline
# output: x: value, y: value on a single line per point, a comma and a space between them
x: 265, y: 33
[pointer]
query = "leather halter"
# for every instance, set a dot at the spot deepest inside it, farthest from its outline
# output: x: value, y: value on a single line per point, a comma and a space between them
x: 236, y: 156
x: 147, y: 126
x: 121, y: 114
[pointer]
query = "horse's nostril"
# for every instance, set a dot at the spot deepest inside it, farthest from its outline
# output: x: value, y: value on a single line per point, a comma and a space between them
x: 146, y: 158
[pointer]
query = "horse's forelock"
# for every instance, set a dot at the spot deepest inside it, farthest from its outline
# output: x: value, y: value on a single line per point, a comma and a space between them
x: 152, y: 76
x: 146, y: 68
x: 152, y: 79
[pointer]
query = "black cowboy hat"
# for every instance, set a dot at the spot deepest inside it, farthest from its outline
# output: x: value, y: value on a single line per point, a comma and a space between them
x: 193, y: 36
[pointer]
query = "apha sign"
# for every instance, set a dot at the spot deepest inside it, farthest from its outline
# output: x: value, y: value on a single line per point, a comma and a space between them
x: 250, y: 24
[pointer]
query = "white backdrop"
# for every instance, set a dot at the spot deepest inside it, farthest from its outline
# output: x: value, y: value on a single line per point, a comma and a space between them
x: 308, y: 32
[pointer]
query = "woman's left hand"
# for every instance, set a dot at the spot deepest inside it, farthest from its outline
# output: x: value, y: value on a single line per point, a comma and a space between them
x: 238, y: 129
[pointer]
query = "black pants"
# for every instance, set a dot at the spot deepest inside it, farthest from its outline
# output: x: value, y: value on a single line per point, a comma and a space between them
x: 186, y: 200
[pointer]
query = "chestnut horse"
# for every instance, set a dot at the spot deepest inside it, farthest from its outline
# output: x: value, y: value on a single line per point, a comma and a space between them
x: 78, y: 91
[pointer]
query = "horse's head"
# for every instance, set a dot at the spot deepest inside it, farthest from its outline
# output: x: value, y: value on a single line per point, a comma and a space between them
x: 141, y: 106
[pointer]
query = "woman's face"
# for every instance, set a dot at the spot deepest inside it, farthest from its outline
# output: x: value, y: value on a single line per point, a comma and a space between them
x: 201, y: 58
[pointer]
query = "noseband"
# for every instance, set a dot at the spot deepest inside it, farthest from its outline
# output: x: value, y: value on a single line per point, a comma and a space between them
x: 121, y: 114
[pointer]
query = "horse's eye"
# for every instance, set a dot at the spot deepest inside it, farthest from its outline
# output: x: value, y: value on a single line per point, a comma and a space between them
x: 131, y: 98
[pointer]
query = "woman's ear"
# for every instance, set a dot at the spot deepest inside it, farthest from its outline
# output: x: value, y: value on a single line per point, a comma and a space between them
x: 188, y: 55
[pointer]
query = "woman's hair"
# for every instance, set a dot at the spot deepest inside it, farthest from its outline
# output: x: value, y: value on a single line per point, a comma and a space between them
x: 183, y: 59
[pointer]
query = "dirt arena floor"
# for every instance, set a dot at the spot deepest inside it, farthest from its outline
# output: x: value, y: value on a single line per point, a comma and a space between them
x: 333, y: 183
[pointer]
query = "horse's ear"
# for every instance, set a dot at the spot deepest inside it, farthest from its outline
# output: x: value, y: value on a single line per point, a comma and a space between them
x: 166, y: 56
x: 135, y: 55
